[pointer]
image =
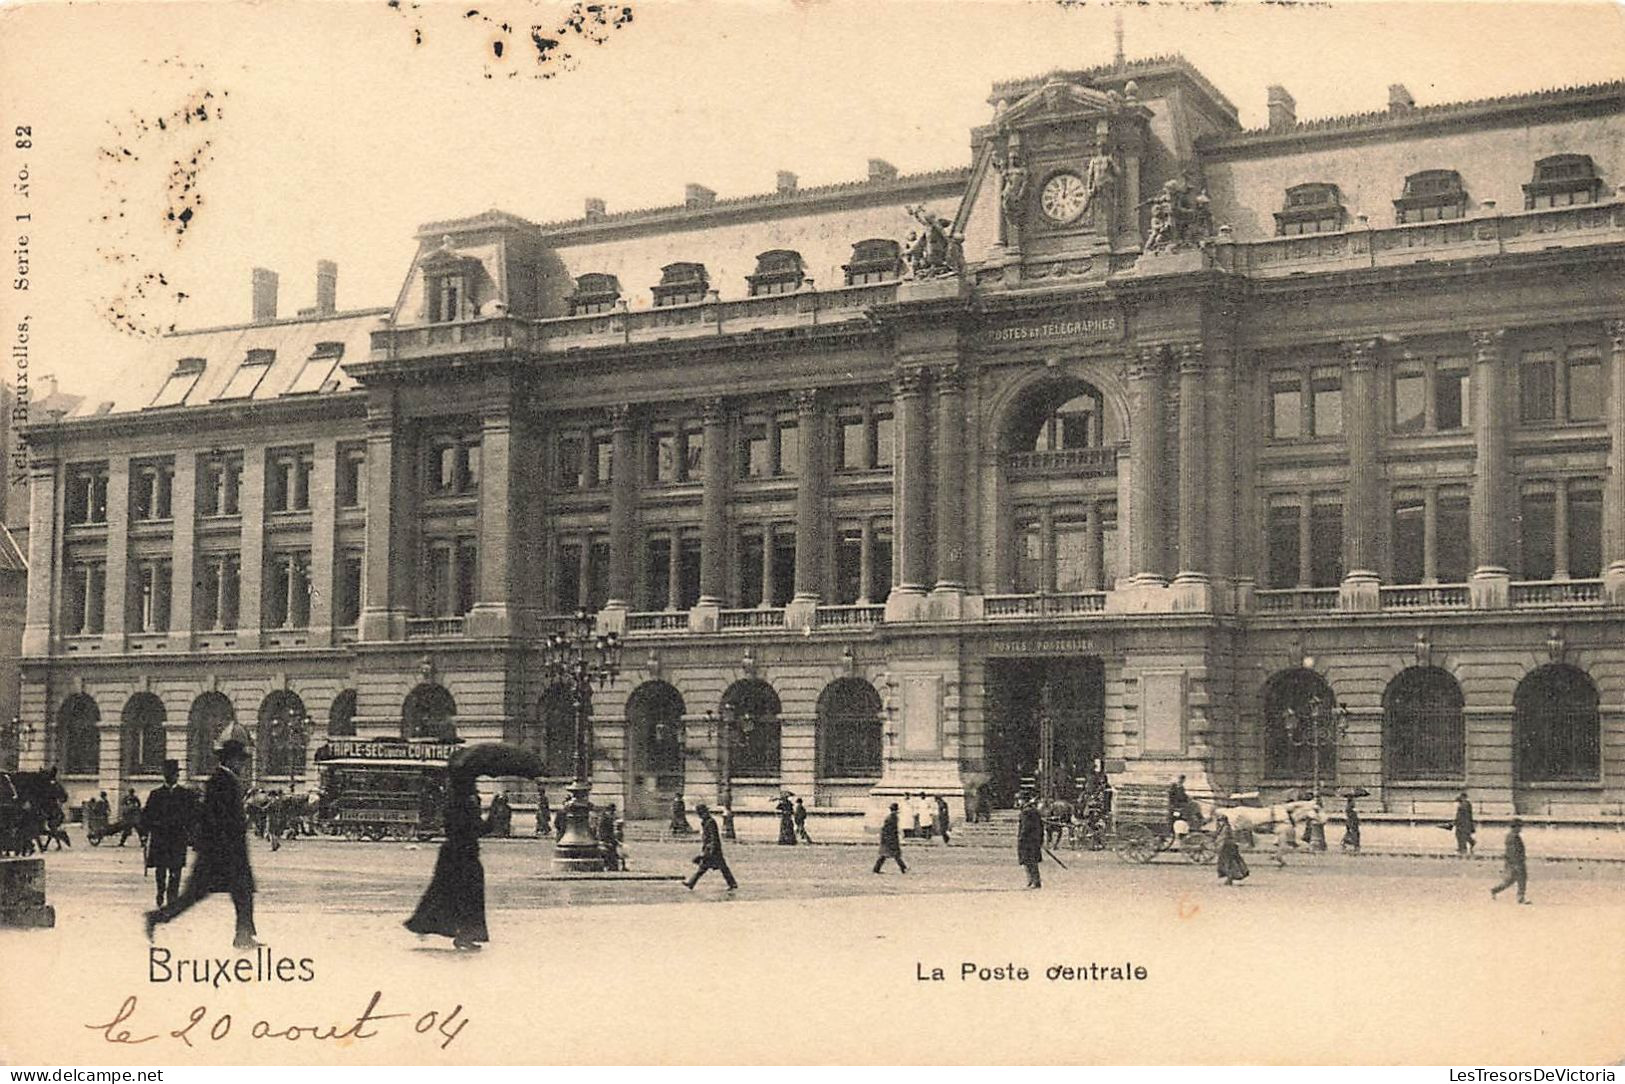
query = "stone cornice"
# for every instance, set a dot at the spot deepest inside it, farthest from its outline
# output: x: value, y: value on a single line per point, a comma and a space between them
x: 239, y: 416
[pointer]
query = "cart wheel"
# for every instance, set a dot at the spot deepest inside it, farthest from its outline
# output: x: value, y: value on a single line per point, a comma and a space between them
x: 1198, y: 847
x: 1136, y: 843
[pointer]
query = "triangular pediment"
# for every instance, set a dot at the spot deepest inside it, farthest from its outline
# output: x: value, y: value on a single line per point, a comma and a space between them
x: 1058, y: 99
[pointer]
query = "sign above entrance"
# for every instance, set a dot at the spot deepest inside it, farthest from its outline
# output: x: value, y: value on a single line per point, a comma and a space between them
x: 1053, y: 645
x: 1094, y: 327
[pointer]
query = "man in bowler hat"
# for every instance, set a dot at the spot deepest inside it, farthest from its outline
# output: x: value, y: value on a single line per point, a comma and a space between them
x: 167, y: 822
x: 222, y: 848
x: 710, y: 856
x: 1464, y: 826
x: 891, y: 842
x: 1030, y: 842
x: 1517, y: 869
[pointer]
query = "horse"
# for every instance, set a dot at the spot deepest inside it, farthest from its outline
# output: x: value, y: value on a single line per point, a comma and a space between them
x: 1285, y: 816
x: 35, y: 817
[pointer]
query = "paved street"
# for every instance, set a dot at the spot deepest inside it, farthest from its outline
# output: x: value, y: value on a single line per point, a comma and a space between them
x: 815, y: 958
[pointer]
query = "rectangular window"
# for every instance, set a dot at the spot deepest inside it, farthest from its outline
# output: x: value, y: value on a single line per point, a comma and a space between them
x: 753, y: 450
x: 1410, y: 402
x: 317, y: 369
x: 1325, y: 544
x: 567, y: 586
x: 216, y: 589
x: 1326, y: 406
x: 454, y: 465
x: 688, y: 571
x: 1029, y: 558
x: 1409, y: 534
x: 597, y: 575
x: 468, y: 575
x: 151, y: 492
x: 693, y: 453
x: 437, y: 581
x: 447, y: 295
x: 231, y: 587
x: 287, y: 481
x: 150, y: 612
x: 86, y: 587
x: 1108, y: 545
x: 219, y: 487
x: 789, y: 442
x: 1454, y: 536
x: 603, y: 459
x: 656, y: 572
x: 248, y: 375
x: 180, y: 383
x: 880, y: 562
x: 1585, y: 533
x: 1537, y: 386
x: 853, y: 446
x: 1286, y: 410
x: 1071, y: 556
x: 883, y: 445
x: 287, y: 603
x: 571, y: 461
x: 1537, y: 534
x: 352, y: 477
x: 347, y: 611
x: 663, y: 458
x: 848, y: 566
x: 1451, y: 402
x: 750, y: 570
x: 1283, y: 545
x: 1588, y: 394
x: 87, y: 495
x: 784, y: 567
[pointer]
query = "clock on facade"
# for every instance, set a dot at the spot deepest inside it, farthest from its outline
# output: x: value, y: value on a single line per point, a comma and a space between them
x: 1063, y: 198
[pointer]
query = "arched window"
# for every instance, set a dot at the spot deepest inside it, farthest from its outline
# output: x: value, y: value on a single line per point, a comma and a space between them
x: 751, y: 710
x: 1059, y: 416
x: 1424, y: 732
x: 429, y: 712
x: 210, y: 715
x: 654, y: 713
x: 1557, y: 725
x: 341, y: 716
x: 141, y: 735
x: 284, y: 726
x: 81, y: 741
x: 552, y: 733
x: 849, y: 730
x: 1291, y: 699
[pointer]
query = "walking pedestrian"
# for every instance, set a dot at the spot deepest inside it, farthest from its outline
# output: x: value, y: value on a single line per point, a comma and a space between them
x: 222, y: 858
x: 891, y: 842
x: 800, y: 816
x: 1465, y: 826
x: 942, y: 819
x: 679, y: 817
x: 710, y: 856
x: 454, y: 903
x: 1351, y: 826
x: 1030, y: 842
x: 1515, y: 868
x: 1231, y: 866
x: 167, y: 822
x: 129, y: 816
x: 544, y: 812
x: 787, y: 821
x: 559, y: 820
x: 500, y: 817
x: 609, y: 840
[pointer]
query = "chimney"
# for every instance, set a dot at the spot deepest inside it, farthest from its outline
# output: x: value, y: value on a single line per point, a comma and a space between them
x: 327, y: 287
x: 787, y: 181
x: 697, y: 195
x: 1283, y: 109
x: 1399, y: 99
x: 264, y: 295
x: 881, y: 170
x: 595, y: 211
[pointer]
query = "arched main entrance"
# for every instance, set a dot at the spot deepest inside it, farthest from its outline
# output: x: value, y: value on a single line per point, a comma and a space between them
x: 429, y: 712
x: 208, y: 718
x: 1046, y: 722
x: 654, y: 733
x: 141, y: 736
x: 280, y: 744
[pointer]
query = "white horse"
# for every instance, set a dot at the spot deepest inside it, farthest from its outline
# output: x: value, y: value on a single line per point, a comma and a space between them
x: 1286, y: 816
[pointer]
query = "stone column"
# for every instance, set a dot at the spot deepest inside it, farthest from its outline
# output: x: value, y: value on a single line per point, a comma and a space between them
x: 44, y: 532
x: 1489, y: 585
x: 623, y: 496
x: 391, y: 555
x: 951, y: 506
x: 116, y: 593
x: 1221, y: 480
x: 810, y: 533
x: 183, y: 553
x: 1613, y: 516
x: 1361, y: 515
x: 911, y: 479
x: 1192, y: 578
x: 498, y: 525
x: 714, y: 507
x: 251, y: 574
x: 1146, y: 455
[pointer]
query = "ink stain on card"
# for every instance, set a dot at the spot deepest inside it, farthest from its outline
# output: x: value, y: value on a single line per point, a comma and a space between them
x: 550, y: 51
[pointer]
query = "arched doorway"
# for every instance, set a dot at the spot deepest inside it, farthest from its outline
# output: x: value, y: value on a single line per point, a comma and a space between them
x: 341, y: 716
x: 851, y: 733
x: 1046, y: 723
x: 141, y: 736
x: 1289, y: 749
x: 1557, y: 727
x: 280, y: 744
x: 1424, y: 730
x: 210, y: 715
x: 750, y: 708
x: 81, y: 738
x: 429, y: 712
x: 654, y: 729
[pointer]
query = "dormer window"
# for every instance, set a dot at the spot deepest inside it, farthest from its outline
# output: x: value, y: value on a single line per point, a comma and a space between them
x: 1562, y: 181
x: 1431, y: 195
x: 874, y: 260
x: 448, y: 298
x: 318, y: 369
x: 681, y: 284
x: 778, y: 271
x: 248, y: 375
x: 180, y: 383
x: 595, y: 293
x: 448, y: 284
x: 1310, y: 208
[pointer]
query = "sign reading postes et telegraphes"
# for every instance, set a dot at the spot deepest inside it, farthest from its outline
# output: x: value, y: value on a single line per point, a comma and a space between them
x: 1091, y: 327
x: 1048, y: 645
x: 352, y: 749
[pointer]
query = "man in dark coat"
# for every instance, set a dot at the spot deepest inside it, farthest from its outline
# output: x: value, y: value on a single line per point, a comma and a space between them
x: 800, y: 816
x: 710, y: 856
x: 1179, y: 804
x: 222, y: 849
x: 167, y: 822
x: 544, y: 812
x: 891, y: 842
x: 1464, y: 825
x: 129, y: 816
x: 787, y: 820
x: 499, y: 819
x: 1030, y: 842
x: 679, y: 817
x: 1517, y: 868
x: 609, y: 840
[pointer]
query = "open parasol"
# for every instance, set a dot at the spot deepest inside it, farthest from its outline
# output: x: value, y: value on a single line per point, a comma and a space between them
x: 1357, y: 792
x: 495, y: 759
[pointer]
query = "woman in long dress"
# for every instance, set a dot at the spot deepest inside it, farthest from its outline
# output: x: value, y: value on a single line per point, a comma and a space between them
x: 1231, y: 866
x: 454, y: 903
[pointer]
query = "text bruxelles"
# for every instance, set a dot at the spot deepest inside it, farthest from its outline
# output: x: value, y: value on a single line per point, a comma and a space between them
x: 214, y: 970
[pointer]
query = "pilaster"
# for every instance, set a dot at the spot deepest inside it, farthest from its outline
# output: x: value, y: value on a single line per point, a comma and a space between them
x: 1490, y: 583
x: 1360, y: 589
x: 1614, y: 494
x: 623, y: 495
x: 183, y: 553
x: 492, y: 616
x: 912, y: 512
x: 323, y: 510
x: 116, y: 594
x: 1191, y: 585
x: 44, y: 535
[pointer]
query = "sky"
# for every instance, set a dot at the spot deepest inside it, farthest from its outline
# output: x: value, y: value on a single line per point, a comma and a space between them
x: 331, y: 129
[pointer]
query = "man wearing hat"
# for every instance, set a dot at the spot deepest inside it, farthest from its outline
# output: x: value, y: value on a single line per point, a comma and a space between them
x: 167, y: 822
x: 710, y: 856
x: 222, y: 846
x: 1464, y: 826
x: 891, y: 842
x: 1516, y: 869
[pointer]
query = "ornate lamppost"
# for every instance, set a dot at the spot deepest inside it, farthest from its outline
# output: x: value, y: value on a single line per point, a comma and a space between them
x: 736, y: 726
x: 581, y: 660
x: 1321, y: 725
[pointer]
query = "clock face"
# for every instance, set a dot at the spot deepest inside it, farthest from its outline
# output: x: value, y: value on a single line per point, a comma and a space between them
x: 1063, y: 198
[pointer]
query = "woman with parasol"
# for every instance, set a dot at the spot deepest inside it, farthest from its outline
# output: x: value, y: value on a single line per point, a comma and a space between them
x: 454, y: 903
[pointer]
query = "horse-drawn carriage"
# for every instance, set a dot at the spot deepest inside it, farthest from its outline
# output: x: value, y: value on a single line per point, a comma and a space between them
x: 390, y: 788
x: 1143, y: 826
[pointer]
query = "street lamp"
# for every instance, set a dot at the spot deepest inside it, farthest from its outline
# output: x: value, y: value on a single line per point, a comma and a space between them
x: 1322, y: 724
x: 737, y: 724
x: 581, y: 660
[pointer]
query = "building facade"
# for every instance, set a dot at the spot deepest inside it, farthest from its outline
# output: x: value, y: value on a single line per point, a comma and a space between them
x: 1266, y: 457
